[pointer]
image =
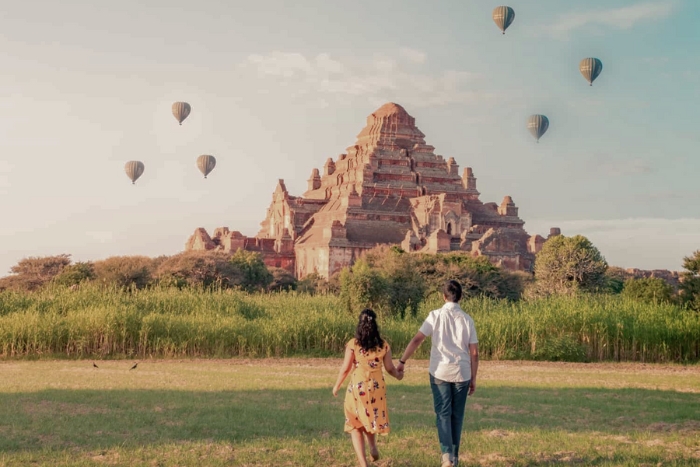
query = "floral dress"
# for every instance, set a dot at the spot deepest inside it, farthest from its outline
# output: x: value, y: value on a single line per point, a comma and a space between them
x: 365, y: 399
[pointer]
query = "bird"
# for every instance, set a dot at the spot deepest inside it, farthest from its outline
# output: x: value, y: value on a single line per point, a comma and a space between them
x: 133, y: 367
x: 95, y: 365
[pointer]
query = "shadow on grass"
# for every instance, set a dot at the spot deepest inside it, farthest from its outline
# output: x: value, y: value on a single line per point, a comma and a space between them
x: 91, y: 419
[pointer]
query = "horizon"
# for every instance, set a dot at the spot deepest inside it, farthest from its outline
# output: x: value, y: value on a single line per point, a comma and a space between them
x: 89, y: 88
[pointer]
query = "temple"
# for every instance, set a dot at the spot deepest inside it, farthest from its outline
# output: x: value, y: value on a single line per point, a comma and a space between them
x: 388, y: 188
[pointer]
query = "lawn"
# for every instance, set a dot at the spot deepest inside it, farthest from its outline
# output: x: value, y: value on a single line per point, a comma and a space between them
x: 281, y: 412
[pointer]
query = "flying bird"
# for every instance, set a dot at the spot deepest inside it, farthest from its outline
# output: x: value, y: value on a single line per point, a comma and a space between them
x: 94, y: 365
x: 133, y: 367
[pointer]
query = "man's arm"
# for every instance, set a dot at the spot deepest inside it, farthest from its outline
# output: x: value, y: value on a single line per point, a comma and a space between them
x: 410, y: 349
x: 474, y: 355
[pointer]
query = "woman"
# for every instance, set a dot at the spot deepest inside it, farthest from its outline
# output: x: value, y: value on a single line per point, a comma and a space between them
x: 365, y: 400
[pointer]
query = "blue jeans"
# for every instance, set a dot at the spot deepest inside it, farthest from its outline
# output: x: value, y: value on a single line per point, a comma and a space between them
x: 449, y: 400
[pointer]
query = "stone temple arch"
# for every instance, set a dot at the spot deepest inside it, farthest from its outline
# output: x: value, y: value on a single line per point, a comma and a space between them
x: 451, y: 223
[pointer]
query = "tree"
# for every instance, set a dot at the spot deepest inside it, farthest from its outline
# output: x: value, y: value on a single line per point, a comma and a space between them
x: 75, y: 274
x: 33, y: 272
x: 282, y: 280
x: 125, y: 271
x: 199, y: 269
x: 255, y: 275
x: 478, y: 276
x: 362, y: 287
x: 405, y: 286
x: 690, y: 281
x: 569, y: 264
x: 648, y: 289
x: 614, y: 280
x: 314, y: 283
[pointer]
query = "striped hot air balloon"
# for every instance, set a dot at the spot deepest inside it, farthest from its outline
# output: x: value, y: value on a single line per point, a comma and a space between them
x: 590, y: 68
x: 503, y: 16
x: 134, y: 169
x: 206, y: 164
x: 537, y: 124
x: 181, y: 110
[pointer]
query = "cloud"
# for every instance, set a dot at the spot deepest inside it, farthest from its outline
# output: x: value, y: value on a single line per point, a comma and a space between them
x: 618, y: 18
x: 645, y: 243
x: 403, y: 77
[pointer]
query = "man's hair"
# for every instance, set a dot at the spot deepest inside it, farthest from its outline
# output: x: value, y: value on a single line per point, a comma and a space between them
x: 452, y: 291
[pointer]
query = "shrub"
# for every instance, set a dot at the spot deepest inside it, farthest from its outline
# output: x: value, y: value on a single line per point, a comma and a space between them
x: 254, y: 273
x: 648, y: 289
x: 282, y: 280
x: 478, y: 276
x: 199, y: 269
x: 314, y: 284
x: 124, y: 271
x: 405, y: 287
x: 690, y: 282
x: 34, y: 272
x: 362, y: 287
x: 75, y: 274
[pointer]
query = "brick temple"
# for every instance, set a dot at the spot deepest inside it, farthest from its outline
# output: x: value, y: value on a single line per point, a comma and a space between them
x: 389, y: 188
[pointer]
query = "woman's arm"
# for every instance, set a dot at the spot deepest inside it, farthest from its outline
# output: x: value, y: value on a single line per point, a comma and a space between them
x: 389, y: 365
x: 345, y: 369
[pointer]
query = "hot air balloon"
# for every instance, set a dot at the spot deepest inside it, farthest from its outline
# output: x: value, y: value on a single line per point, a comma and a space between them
x: 206, y: 164
x: 503, y: 16
x: 537, y: 124
x: 590, y: 69
x: 134, y: 169
x: 181, y: 110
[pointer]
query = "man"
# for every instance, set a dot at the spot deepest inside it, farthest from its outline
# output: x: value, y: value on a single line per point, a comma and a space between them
x: 454, y: 361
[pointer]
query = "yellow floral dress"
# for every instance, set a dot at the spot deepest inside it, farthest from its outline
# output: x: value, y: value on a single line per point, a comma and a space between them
x: 365, y: 399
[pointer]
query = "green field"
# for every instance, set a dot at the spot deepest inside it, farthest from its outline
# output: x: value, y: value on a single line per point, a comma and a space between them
x: 266, y: 412
x: 155, y: 323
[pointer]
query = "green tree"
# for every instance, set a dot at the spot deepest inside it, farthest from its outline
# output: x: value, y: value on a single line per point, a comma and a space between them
x: 254, y: 273
x: 649, y: 290
x: 614, y: 280
x: 75, y: 274
x: 282, y: 280
x: 125, y: 271
x: 690, y: 281
x: 405, y: 287
x: 362, y: 287
x: 569, y: 264
x: 199, y: 269
x: 478, y: 276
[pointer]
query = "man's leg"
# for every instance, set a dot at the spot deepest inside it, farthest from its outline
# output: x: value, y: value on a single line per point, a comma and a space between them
x: 459, y: 401
x: 442, y: 402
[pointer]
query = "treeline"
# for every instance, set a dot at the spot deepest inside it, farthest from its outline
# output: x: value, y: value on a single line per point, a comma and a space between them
x: 393, y: 282
x: 241, y: 270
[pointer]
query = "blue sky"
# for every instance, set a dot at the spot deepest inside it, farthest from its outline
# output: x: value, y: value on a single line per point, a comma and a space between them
x: 277, y: 88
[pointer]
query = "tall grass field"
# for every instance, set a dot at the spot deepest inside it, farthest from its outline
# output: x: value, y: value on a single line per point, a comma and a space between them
x: 92, y: 322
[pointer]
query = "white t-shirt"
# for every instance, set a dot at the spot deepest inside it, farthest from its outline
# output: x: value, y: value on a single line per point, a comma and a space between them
x: 452, y: 331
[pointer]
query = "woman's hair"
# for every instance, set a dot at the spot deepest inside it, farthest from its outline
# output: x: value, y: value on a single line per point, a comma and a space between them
x: 367, y: 332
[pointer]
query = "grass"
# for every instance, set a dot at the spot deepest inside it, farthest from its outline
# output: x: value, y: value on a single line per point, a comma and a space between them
x: 99, y: 323
x: 264, y: 412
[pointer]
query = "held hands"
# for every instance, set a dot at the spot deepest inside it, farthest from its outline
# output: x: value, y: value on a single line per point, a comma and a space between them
x: 400, y: 371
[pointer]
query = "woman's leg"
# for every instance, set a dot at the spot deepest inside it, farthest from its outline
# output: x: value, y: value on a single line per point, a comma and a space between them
x: 358, y: 442
x: 372, y: 441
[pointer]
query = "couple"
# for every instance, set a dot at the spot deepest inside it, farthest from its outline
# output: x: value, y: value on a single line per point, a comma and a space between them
x: 454, y: 360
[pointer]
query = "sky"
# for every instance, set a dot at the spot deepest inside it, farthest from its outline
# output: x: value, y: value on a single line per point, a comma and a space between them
x: 278, y: 87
